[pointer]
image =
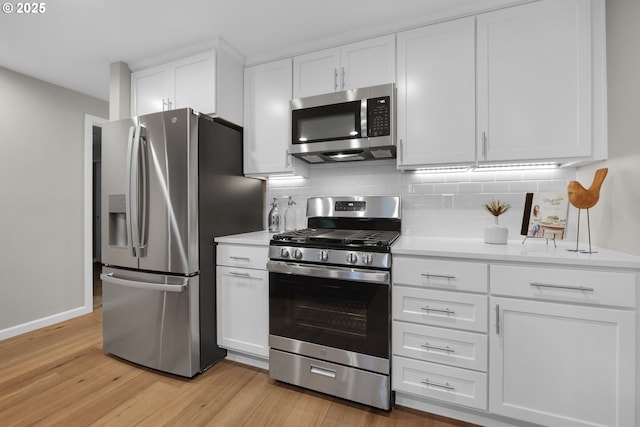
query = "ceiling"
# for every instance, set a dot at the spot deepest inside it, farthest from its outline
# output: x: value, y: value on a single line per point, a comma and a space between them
x: 73, y: 42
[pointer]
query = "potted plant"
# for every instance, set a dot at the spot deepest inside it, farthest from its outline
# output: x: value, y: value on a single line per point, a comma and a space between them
x: 496, y: 234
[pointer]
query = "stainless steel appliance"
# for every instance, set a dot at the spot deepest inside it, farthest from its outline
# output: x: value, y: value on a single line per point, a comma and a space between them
x: 345, y: 126
x: 171, y: 182
x: 329, y: 299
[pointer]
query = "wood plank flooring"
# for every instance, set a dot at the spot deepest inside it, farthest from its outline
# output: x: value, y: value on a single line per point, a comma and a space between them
x: 59, y: 376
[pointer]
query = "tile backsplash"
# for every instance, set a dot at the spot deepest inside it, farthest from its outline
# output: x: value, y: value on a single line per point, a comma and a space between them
x: 433, y: 204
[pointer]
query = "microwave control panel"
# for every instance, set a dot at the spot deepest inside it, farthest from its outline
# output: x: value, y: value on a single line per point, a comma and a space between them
x: 379, y: 116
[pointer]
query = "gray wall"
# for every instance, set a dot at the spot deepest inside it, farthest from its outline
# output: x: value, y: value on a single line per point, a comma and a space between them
x: 615, y: 220
x: 41, y: 197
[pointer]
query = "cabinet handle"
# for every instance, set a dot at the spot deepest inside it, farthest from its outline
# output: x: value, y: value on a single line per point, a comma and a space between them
x: 497, y: 319
x: 484, y: 145
x: 437, y: 310
x: 240, y: 258
x: 164, y: 104
x: 236, y: 273
x: 287, y: 165
x: 434, y: 347
x: 572, y: 288
x: 401, y: 153
x: 446, y: 386
x: 343, y: 78
x: 438, y: 276
x: 335, y: 79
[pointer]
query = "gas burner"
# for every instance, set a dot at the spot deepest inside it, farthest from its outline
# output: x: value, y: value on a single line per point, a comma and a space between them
x: 298, y: 236
x: 338, y: 238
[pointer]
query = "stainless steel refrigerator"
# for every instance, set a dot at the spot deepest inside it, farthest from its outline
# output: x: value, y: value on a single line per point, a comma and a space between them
x: 171, y: 182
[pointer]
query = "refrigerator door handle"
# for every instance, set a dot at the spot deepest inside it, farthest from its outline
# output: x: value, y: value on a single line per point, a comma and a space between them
x: 145, y: 285
x: 133, y: 212
x: 144, y: 214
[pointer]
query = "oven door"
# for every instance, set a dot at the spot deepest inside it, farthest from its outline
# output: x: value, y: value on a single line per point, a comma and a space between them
x: 333, y: 313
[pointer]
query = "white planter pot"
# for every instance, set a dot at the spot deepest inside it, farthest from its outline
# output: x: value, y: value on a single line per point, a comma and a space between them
x: 496, y: 234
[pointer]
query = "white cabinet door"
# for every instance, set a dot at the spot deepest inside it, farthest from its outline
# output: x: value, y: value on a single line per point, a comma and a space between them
x: 316, y: 73
x: 368, y: 63
x: 535, y: 81
x: 562, y: 365
x: 194, y: 83
x: 436, y: 94
x: 267, y: 116
x: 149, y: 90
x: 243, y: 310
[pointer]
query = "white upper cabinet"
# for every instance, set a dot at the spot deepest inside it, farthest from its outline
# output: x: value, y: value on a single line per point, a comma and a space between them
x: 517, y: 85
x: 366, y: 63
x: 535, y: 80
x: 436, y: 94
x: 267, y: 130
x: 209, y: 82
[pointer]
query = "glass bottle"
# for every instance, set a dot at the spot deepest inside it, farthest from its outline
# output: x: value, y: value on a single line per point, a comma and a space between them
x: 290, y: 216
x: 274, y: 217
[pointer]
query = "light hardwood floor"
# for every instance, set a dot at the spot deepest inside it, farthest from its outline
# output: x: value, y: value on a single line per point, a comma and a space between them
x: 59, y: 376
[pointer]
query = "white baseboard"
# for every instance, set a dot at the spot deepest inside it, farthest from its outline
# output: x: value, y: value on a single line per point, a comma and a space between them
x: 43, y: 322
x: 255, y: 361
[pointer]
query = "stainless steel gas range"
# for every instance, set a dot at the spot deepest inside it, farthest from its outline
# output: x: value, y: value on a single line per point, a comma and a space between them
x: 330, y: 299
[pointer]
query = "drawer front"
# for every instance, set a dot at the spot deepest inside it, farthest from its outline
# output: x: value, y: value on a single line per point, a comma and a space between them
x: 566, y: 285
x: 431, y: 380
x: 440, y: 308
x: 433, y: 273
x: 450, y: 347
x: 246, y: 256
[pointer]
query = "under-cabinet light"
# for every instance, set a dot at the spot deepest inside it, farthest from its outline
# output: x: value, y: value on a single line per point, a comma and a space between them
x: 442, y: 169
x: 515, y: 166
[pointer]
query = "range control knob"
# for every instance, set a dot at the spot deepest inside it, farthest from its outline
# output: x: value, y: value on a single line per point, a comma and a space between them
x: 284, y: 253
x: 323, y: 255
x: 367, y: 259
x: 352, y: 258
x: 297, y: 254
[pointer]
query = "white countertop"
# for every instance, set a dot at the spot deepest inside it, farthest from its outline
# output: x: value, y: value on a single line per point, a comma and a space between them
x: 533, y: 250
x: 254, y: 238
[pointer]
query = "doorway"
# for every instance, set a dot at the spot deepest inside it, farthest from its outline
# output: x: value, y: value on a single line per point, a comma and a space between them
x: 92, y: 204
x: 97, y: 227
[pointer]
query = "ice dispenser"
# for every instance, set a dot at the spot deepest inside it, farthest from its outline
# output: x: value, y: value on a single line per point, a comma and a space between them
x: 117, y: 220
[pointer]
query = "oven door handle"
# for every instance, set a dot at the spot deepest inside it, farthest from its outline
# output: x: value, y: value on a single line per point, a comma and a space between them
x: 339, y: 273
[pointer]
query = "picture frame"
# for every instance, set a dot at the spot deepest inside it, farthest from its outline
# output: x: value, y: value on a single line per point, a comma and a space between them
x: 545, y: 215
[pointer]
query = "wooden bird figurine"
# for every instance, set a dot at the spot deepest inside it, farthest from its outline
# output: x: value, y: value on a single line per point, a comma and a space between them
x: 585, y: 198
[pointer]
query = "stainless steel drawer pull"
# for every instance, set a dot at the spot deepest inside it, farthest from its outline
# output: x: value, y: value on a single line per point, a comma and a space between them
x: 323, y: 371
x: 236, y: 273
x: 437, y: 310
x: 435, y: 347
x: 572, y: 288
x: 438, y: 276
x: 446, y: 386
x: 240, y: 258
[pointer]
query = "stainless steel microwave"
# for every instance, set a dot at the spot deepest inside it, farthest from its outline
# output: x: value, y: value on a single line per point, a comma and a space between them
x: 351, y: 125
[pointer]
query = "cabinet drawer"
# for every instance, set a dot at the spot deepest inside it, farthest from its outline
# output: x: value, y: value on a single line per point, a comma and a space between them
x: 440, y: 308
x: 566, y: 285
x: 455, y: 385
x: 245, y: 256
x: 456, y: 348
x: 432, y: 273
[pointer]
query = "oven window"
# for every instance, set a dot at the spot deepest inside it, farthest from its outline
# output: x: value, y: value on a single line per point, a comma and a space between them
x: 348, y: 315
x: 327, y: 123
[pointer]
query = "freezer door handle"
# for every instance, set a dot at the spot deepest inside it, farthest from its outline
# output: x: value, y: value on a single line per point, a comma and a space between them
x: 145, y: 285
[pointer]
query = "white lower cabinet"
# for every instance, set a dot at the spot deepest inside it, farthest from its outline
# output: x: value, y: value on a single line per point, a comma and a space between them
x: 243, y: 299
x: 535, y: 344
x: 562, y: 365
x: 439, y: 340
